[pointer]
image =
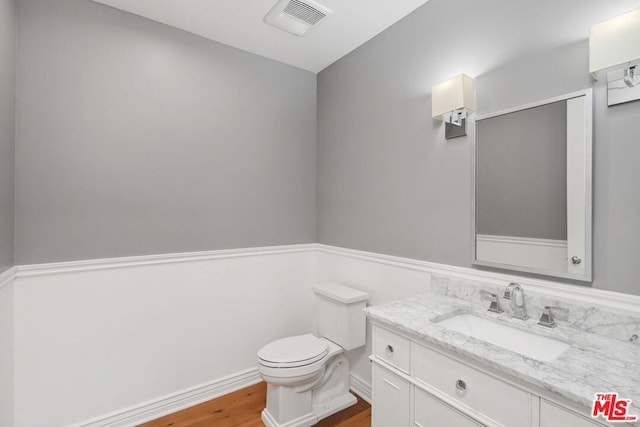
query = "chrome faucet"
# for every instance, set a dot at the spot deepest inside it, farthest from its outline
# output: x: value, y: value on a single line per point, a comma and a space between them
x: 515, y: 295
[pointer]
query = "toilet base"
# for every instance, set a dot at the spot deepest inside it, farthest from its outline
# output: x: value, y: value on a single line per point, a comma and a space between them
x: 312, y: 418
x: 324, y: 410
x: 304, y: 406
x: 307, y: 420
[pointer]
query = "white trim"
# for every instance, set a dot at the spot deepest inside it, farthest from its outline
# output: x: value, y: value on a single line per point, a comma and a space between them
x: 578, y: 187
x: 7, y: 276
x: 616, y: 300
x: 523, y: 240
x: 584, y: 92
x: 174, y: 402
x: 138, y: 261
x: 361, y: 388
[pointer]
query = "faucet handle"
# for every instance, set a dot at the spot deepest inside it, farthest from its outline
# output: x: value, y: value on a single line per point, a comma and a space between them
x: 546, y: 318
x: 495, y: 301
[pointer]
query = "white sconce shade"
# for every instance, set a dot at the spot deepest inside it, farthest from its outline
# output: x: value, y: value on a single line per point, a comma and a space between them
x: 455, y: 94
x: 614, y: 42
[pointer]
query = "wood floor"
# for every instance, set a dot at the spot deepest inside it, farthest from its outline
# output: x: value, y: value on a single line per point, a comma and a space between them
x: 242, y: 409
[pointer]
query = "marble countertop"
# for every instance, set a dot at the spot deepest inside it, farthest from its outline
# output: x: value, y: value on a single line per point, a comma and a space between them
x: 592, y: 363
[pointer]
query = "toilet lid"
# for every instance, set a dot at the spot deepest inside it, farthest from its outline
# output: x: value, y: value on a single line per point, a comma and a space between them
x: 293, y: 351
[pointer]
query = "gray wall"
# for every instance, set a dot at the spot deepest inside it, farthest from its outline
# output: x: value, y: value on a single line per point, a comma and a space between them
x: 7, y: 95
x: 389, y: 182
x: 136, y: 138
x: 521, y: 173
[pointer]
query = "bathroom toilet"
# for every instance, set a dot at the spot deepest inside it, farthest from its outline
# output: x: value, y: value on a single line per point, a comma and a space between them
x: 307, y: 376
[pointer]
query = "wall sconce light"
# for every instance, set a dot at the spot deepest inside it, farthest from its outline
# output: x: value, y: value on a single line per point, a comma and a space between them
x: 451, y: 101
x: 614, y: 43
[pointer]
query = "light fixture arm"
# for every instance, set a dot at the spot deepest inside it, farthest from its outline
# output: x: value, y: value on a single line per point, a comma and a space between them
x: 630, y: 77
x: 456, y: 117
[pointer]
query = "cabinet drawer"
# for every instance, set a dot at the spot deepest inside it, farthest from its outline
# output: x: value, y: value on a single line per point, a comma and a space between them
x: 391, y: 399
x: 392, y: 348
x: 554, y: 416
x: 502, y: 402
x: 431, y: 412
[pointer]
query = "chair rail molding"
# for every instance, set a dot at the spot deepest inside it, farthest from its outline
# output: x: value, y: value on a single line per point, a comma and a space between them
x: 47, y: 269
x: 616, y: 300
x: 586, y: 294
x: 7, y: 277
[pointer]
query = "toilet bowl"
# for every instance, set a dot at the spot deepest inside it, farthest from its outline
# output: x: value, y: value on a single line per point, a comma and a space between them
x: 307, y: 376
x: 294, y: 360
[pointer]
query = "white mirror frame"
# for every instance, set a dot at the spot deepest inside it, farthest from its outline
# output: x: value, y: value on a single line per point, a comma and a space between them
x: 579, y: 189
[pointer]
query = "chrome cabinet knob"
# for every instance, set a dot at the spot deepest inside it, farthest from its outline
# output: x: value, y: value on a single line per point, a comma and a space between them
x: 461, y: 385
x: 576, y: 260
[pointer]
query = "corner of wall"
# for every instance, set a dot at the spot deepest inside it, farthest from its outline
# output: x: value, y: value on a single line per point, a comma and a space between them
x: 7, y: 340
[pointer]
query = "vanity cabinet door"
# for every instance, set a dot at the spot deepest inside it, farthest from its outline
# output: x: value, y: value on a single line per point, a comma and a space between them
x: 554, y: 416
x: 430, y: 412
x: 391, y: 399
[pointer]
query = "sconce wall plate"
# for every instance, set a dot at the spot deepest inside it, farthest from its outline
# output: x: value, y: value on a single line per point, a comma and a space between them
x: 618, y: 91
x: 454, y: 131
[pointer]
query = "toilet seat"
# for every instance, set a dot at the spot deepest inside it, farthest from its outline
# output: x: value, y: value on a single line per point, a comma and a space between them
x: 293, y: 352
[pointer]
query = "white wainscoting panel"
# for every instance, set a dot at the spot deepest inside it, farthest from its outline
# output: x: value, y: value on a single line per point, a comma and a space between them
x: 6, y: 347
x: 108, y: 336
x: 120, y: 341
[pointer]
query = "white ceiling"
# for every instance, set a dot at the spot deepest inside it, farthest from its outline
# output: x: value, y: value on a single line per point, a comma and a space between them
x: 239, y: 23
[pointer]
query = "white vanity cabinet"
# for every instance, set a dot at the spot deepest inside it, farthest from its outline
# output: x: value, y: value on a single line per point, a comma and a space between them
x: 417, y: 385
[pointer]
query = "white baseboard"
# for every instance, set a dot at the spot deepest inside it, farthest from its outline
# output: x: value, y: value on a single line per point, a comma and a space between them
x: 361, y: 388
x: 156, y: 408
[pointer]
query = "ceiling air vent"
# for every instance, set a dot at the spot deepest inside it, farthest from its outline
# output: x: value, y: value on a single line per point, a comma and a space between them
x: 296, y: 16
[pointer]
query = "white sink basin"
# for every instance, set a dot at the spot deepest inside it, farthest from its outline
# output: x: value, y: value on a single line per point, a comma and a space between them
x: 526, y: 343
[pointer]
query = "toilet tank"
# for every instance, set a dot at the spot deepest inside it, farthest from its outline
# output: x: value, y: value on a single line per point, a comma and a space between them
x: 339, y: 314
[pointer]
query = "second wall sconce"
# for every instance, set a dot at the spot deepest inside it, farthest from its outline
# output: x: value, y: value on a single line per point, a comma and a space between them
x: 613, y: 44
x: 451, y: 101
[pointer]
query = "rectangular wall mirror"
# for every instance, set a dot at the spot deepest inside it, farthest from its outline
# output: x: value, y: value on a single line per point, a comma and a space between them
x: 532, y: 188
